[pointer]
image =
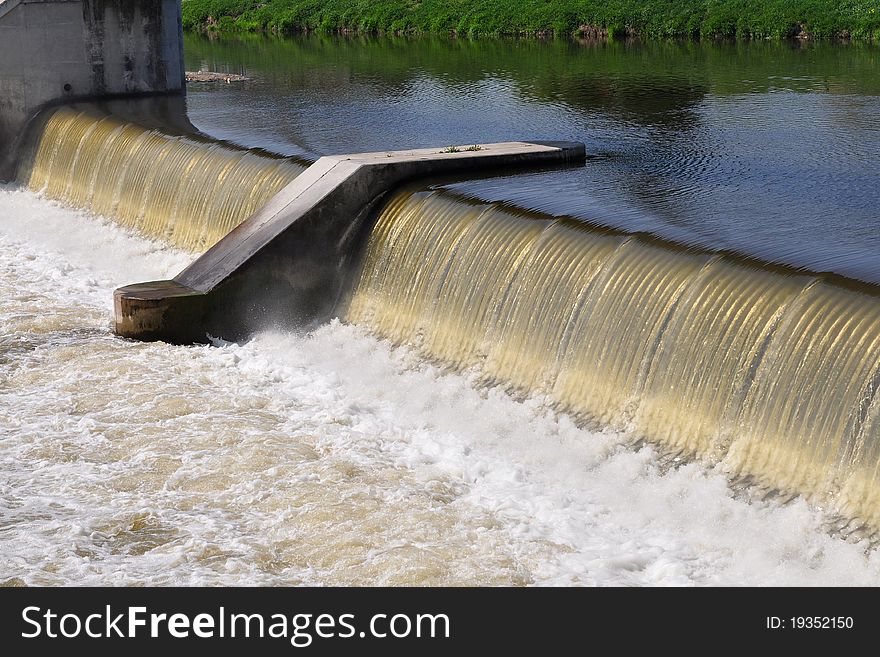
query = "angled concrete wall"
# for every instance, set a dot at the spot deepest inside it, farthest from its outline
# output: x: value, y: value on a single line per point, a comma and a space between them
x: 287, y: 266
x: 55, y: 51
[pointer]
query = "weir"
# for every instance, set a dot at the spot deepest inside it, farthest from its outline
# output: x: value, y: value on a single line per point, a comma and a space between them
x: 170, y: 184
x: 770, y: 372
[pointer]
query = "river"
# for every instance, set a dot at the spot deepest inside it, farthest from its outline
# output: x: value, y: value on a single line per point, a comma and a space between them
x: 337, y: 458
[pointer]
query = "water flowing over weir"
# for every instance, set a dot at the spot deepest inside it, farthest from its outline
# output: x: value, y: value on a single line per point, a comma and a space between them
x: 771, y: 372
x: 181, y: 188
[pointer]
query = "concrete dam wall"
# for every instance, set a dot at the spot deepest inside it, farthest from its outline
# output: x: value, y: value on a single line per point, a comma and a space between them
x: 55, y: 51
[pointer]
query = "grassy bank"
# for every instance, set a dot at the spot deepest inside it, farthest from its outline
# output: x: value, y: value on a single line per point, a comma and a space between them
x: 745, y: 19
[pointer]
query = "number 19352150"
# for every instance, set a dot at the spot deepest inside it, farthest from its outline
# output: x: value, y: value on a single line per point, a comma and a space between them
x: 810, y: 623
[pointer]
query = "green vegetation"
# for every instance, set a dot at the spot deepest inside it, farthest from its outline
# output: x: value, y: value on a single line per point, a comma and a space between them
x: 744, y: 19
x: 456, y: 149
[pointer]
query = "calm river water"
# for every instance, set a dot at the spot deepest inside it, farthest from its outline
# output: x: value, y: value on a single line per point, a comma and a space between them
x: 772, y: 150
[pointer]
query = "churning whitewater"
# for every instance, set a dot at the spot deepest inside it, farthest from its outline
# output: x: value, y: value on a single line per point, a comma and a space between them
x: 328, y: 458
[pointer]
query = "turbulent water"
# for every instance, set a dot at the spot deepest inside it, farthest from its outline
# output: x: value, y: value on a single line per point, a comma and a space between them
x: 329, y: 458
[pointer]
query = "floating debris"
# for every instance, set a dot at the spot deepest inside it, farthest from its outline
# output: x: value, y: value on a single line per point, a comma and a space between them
x: 211, y: 76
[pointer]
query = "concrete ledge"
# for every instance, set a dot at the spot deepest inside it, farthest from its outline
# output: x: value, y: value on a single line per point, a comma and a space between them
x: 8, y: 5
x: 159, y: 310
x: 286, y: 265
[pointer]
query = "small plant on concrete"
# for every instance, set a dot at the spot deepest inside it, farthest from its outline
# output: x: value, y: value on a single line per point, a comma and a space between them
x: 475, y: 147
x: 451, y: 149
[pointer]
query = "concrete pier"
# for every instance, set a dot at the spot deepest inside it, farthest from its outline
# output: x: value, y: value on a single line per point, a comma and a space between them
x: 59, y: 51
x: 287, y: 265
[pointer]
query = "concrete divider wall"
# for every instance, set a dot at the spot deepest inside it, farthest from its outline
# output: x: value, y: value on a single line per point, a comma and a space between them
x: 287, y: 265
x: 284, y: 266
x: 55, y: 51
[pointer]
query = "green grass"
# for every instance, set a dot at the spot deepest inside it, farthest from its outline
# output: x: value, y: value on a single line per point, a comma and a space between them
x: 743, y: 19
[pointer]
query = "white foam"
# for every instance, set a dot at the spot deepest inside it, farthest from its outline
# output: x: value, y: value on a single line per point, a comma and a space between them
x: 100, y: 250
x: 329, y: 458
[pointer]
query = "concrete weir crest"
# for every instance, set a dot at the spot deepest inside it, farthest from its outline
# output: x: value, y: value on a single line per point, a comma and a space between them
x: 287, y: 265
